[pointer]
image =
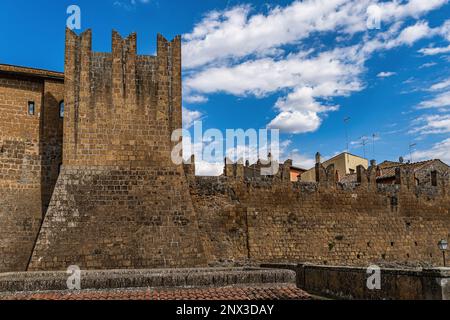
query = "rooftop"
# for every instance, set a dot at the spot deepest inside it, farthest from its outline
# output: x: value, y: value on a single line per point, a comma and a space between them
x: 387, y: 168
x: 31, y: 72
x: 156, y: 284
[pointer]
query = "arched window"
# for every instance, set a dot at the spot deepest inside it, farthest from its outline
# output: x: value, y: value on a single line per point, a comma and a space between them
x: 61, y: 109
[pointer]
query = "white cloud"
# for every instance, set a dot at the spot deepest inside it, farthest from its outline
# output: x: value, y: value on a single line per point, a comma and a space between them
x: 239, y: 52
x: 263, y: 76
x: 386, y: 74
x: 434, y: 51
x: 414, y: 33
x: 195, y: 99
x: 444, y: 31
x: 442, y: 100
x: 428, y: 65
x: 441, y: 85
x: 129, y: 4
x: 438, y: 151
x: 189, y: 117
x: 207, y: 169
x: 236, y: 33
x: 310, y: 79
x: 433, y: 124
x: 395, y: 10
x: 302, y: 161
x: 296, y: 122
x: 407, y: 36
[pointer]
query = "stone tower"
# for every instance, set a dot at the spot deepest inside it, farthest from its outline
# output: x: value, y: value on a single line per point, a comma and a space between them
x: 119, y: 201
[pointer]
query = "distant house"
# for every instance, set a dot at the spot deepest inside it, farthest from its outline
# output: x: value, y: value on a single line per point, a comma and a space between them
x: 296, y: 173
x: 344, y: 164
x: 425, y: 172
x: 254, y: 170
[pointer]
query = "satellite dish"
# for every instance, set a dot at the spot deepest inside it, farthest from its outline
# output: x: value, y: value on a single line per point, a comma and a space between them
x: 401, y: 160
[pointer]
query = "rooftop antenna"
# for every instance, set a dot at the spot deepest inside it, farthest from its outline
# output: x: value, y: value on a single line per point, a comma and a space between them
x: 374, y: 136
x: 364, y: 142
x: 411, y: 146
x: 346, y: 121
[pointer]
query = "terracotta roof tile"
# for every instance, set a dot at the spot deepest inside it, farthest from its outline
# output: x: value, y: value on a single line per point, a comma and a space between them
x: 287, y: 292
x: 26, y: 71
x: 389, y: 171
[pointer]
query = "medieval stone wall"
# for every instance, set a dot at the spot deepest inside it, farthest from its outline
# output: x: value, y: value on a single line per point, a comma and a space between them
x: 271, y: 220
x: 30, y: 151
x: 120, y: 201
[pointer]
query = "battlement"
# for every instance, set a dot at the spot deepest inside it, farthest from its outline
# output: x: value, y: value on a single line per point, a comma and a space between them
x: 120, y: 107
x: 267, y: 168
x: 121, y: 200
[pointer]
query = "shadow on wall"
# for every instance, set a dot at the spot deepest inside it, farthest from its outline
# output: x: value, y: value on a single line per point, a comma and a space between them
x: 50, y: 146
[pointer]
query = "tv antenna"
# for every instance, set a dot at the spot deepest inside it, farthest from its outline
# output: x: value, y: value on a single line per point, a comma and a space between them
x: 364, y: 142
x: 374, y: 137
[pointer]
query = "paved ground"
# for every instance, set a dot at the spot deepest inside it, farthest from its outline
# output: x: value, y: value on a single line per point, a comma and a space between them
x: 231, y: 293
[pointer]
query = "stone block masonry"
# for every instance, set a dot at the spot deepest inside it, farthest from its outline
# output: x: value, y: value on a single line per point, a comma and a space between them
x: 30, y: 155
x: 266, y: 220
x: 99, y: 189
x: 119, y: 201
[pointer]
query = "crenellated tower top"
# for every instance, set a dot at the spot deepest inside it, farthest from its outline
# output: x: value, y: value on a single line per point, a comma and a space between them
x: 121, y: 107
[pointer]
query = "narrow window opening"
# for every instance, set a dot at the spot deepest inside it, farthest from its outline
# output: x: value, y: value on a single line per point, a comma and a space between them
x: 61, y: 109
x: 434, y: 178
x: 31, y: 108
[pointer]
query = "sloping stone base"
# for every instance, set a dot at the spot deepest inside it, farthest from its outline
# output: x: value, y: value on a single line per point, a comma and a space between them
x: 119, y: 218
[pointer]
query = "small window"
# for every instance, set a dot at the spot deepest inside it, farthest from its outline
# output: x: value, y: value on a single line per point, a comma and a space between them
x: 434, y: 181
x: 31, y: 108
x: 61, y: 109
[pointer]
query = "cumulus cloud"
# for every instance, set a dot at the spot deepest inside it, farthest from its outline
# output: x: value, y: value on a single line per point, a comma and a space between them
x: 296, y: 122
x: 386, y: 74
x: 237, y: 32
x: 208, y: 169
x: 241, y: 52
x: 189, y: 117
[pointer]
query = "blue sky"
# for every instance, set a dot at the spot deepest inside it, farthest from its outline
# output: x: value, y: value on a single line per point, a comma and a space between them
x: 299, y: 66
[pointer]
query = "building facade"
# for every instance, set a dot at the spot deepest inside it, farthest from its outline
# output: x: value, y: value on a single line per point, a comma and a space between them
x: 31, y: 133
x: 344, y: 163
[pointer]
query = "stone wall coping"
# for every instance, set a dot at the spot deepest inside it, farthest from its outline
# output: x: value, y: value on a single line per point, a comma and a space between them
x: 31, y: 72
x: 419, y: 272
x: 153, y: 278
